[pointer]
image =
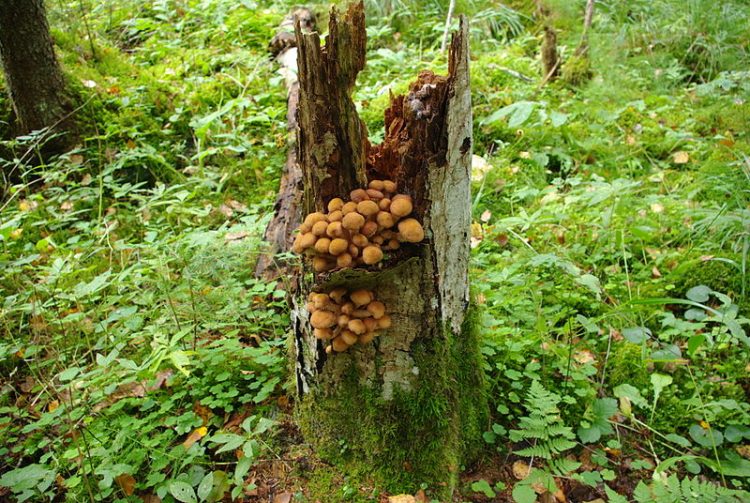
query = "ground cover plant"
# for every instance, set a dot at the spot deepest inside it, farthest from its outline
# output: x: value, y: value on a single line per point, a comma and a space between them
x: 141, y: 359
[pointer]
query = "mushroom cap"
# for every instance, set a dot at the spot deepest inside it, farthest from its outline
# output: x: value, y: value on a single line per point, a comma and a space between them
x: 335, y: 230
x: 378, y: 239
x: 335, y: 216
x: 339, y: 344
x: 393, y: 244
x: 375, y: 194
x: 366, y: 338
x: 384, y: 322
x: 348, y: 308
x: 360, y: 240
x: 385, y: 219
x: 307, y: 240
x: 320, y: 264
x: 349, y: 207
x: 369, y: 229
x: 323, y: 319
x: 357, y: 326
x: 361, y: 313
x: 384, y: 204
x: 338, y: 246
x: 323, y: 333
x: 368, y: 208
x: 371, y: 324
x: 344, y: 260
x: 376, y: 308
x: 353, y: 221
x: 314, y: 217
x: 335, y: 204
x: 319, y: 228
x: 401, y: 206
x: 343, y: 320
x: 337, y: 294
x: 360, y: 298
x: 349, y: 337
x: 358, y: 195
x: 321, y: 245
x: 372, y: 255
x: 377, y: 185
x: 410, y: 230
x: 389, y: 186
x: 353, y: 250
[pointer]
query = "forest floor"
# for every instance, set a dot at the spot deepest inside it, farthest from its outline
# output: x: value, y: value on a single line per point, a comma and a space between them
x: 140, y: 360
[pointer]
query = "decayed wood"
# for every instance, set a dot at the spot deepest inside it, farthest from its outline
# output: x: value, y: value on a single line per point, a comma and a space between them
x: 287, y: 212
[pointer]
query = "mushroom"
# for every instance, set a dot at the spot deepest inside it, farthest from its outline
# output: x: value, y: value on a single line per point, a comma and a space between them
x: 360, y: 240
x: 335, y: 216
x: 375, y: 194
x: 372, y: 255
x: 344, y: 260
x: 339, y: 344
x: 360, y: 298
x: 337, y: 294
x: 321, y: 245
x: 377, y: 309
x: 389, y: 186
x: 385, y: 220
x: 320, y: 264
x: 410, y: 230
x: 377, y: 185
x: 358, y: 195
x: 348, y: 308
x: 384, y: 204
x: 366, y: 338
x: 401, y: 205
x: 338, y: 246
x: 368, y: 208
x: 357, y: 326
x: 307, y: 240
x: 354, y: 221
x: 335, y: 204
x: 335, y: 230
x: 384, y: 322
x: 314, y: 217
x: 323, y: 333
x: 349, y: 337
x: 369, y: 229
x: 323, y: 319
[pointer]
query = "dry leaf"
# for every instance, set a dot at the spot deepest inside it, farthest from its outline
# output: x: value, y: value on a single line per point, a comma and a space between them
x: 126, y: 483
x: 226, y: 210
x: 196, y: 435
x: 743, y: 450
x: 76, y: 159
x: 421, y: 497
x: 486, y: 215
x: 520, y: 470
x: 584, y: 356
x: 282, y: 498
x: 53, y: 405
x: 706, y: 258
x: 151, y: 498
x: 66, y: 206
x: 402, y: 498
x: 680, y: 157
x: 236, y: 236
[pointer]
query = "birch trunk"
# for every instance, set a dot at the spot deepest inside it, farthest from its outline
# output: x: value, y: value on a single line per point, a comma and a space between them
x: 408, y: 408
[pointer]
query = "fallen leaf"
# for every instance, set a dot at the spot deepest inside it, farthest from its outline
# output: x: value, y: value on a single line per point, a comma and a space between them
x: 66, y: 206
x: 53, y: 405
x: 236, y: 236
x: 236, y: 205
x: 151, y: 498
x: 226, y: 210
x: 744, y: 451
x: 706, y: 258
x: 486, y: 215
x: 196, y: 435
x: 421, y: 497
x: 655, y: 272
x: 282, y: 498
x: 584, y: 356
x: 126, y: 483
x: 402, y: 498
x: 520, y: 470
x: 680, y: 157
x: 76, y: 159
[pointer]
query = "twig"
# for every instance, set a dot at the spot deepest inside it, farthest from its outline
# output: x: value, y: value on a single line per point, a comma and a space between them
x: 451, y: 6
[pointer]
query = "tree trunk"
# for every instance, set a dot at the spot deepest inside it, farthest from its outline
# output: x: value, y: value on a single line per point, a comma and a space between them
x: 408, y: 408
x: 32, y: 73
x: 287, y: 212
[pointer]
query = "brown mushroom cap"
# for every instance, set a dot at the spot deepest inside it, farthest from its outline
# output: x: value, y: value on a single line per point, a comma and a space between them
x: 378, y: 239
x: 335, y: 230
x: 349, y: 337
x: 339, y: 344
x: 372, y: 255
x: 369, y: 229
x: 343, y: 320
x: 370, y: 323
x: 323, y: 333
x: 335, y: 216
x: 335, y: 204
x: 384, y: 204
x: 360, y: 240
x: 337, y: 294
x: 307, y: 240
x: 353, y: 221
x: 360, y: 297
x: 320, y: 264
x: 366, y: 338
x: 367, y: 208
x: 374, y: 194
x: 349, y: 207
x: 358, y: 195
x: 338, y: 246
x: 348, y: 308
x: 319, y: 228
x: 410, y: 230
x: 361, y: 313
x: 321, y: 245
x: 389, y: 186
x: 322, y: 319
x: 357, y: 326
x: 384, y: 322
x: 344, y: 260
x: 393, y: 244
x: 401, y: 206
x: 314, y: 217
x: 377, y: 309
x: 385, y: 220
x: 377, y: 185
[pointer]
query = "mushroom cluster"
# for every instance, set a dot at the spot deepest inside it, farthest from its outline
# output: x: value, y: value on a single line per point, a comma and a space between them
x: 345, y: 318
x: 357, y: 231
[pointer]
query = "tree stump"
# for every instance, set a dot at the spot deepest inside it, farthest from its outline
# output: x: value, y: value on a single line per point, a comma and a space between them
x: 408, y: 408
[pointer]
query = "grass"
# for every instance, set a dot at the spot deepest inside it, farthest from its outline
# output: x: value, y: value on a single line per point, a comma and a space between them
x: 611, y: 242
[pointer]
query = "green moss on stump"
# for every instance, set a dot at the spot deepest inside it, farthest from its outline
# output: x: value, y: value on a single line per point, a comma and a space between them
x: 419, y: 438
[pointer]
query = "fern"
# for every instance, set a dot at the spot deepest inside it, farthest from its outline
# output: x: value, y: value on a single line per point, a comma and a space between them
x: 543, y: 425
x: 672, y: 489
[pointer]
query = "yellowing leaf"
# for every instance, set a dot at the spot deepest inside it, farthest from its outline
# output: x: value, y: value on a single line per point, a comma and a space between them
x: 126, y: 483
x: 680, y: 157
x: 53, y: 405
x: 196, y: 435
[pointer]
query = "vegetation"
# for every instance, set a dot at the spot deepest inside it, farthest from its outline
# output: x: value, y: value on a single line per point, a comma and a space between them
x: 140, y: 357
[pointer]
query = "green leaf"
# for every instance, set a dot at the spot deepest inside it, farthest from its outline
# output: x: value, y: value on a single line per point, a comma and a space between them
x: 598, y: 415
x: 96, y: 284
x: 182, y: 491
x: 69, y: 374
x: 630, y: 392
x: 636, y: 335
x: 706, y: 437
x: 230, y: 441
x: 659, y: 382
x: 523, y: 494
x: 558, y: 118
x: 613, y: 497
x: 699, y: 293
x: 204, y: 488
x: 679, y: 440
x: 482, y: 486
x: 243, y: 466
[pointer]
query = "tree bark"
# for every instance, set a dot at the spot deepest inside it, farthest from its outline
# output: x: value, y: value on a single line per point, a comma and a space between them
x: 287, y: 211
x: 409, y: 407
x: 33, y: 76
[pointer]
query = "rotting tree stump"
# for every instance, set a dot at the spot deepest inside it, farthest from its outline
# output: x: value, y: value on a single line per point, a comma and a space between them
x: 409, y: 408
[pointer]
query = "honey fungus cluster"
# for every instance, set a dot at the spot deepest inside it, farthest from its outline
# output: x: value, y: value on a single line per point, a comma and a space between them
x: 346, y: 318
x: 358, y: 231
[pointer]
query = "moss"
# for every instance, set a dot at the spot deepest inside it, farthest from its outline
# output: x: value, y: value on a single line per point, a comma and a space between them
x: 577, y: 70
x: 719, y: 275
x: 420, y: 438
